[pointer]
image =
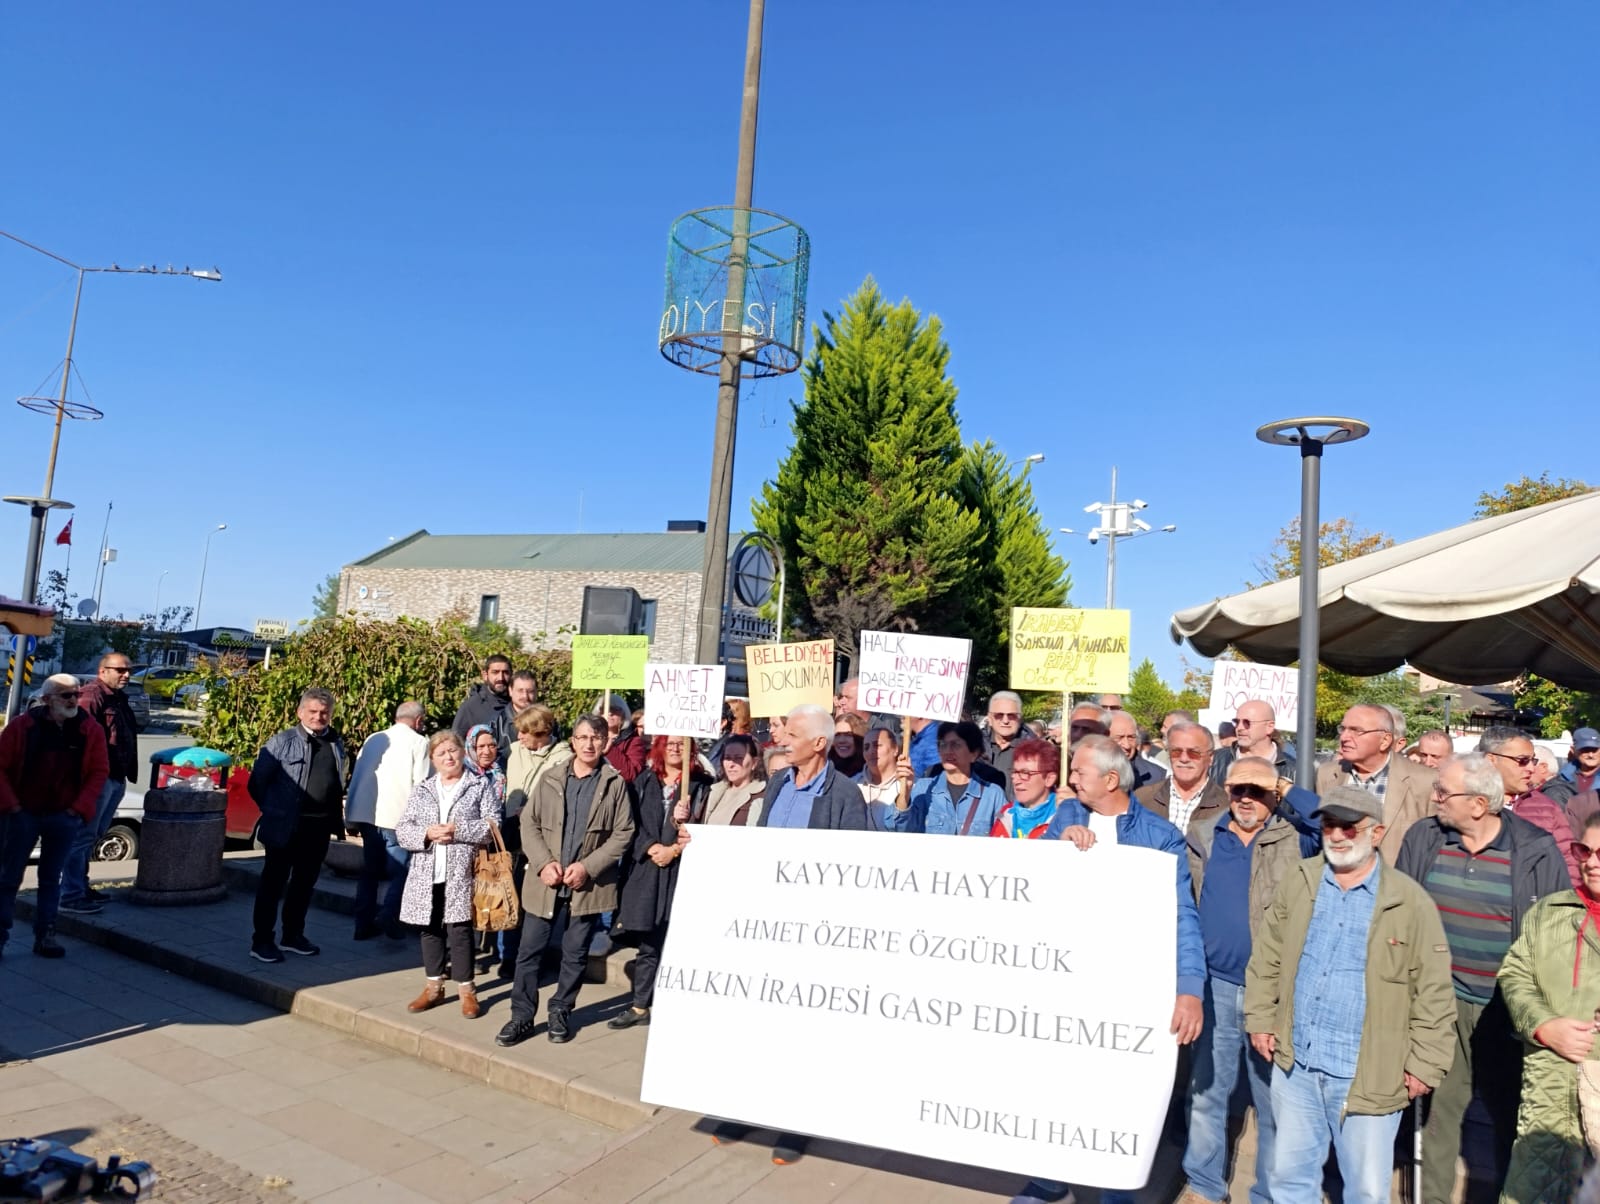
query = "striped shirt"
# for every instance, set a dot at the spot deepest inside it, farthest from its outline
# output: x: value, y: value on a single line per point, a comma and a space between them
x: 1473, y: 894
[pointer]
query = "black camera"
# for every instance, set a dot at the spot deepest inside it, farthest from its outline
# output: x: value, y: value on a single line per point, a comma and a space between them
x: 31, y: 1169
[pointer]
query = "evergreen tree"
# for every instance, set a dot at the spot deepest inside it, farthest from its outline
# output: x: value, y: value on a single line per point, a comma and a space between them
x: 1015, y: 564
x: 325, y: 601
x: 1148, y: 697
x: 867, y: 505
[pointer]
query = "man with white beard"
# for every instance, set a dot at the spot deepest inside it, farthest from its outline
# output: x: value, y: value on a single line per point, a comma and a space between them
x: 52, y: 768
x: 1348, y: 992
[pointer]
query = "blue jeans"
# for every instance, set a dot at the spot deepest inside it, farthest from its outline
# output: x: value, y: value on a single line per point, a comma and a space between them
x: 75, y: 875
x: 1215, y: 1074
x: 1306, y: 1105
x: 54, y: 834
x: 381, y: 859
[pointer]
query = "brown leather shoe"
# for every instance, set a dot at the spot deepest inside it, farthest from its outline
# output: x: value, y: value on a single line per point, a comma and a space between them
x: 469, y: 1002
x: 432, y: 996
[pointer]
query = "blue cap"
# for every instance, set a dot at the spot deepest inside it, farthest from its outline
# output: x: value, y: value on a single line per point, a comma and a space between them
x: 1586, y: 737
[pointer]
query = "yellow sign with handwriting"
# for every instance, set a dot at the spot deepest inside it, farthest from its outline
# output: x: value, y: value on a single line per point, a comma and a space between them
x: 1069, y: 650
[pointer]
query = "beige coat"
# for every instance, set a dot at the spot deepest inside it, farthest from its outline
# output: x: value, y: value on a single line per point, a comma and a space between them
x: 726, y: 799
x: 525, y: 767
x: 1408, y: 798
x: 606, y: 838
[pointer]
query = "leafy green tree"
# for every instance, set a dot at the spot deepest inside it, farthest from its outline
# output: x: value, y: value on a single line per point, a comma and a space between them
x: 325, y: 600
x: 1520, y: 494
x: 867, y: 505
x: 1015, y: 564
x: 1148, y: 697
x: 1340, y: 540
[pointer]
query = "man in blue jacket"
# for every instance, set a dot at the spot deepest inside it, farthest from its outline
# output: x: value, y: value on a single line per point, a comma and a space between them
x: 1104, y: 813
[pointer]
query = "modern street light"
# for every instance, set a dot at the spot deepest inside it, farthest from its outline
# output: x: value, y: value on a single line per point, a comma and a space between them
x: 41, y: 506
x: 199, y: 597
x: 159, y: 580
x: 1310, y: 435
x: 1036, y: 458
x: 1117, y: 522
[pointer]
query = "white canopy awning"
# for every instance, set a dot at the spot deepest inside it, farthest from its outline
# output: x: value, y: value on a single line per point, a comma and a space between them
x: 1479, y: 603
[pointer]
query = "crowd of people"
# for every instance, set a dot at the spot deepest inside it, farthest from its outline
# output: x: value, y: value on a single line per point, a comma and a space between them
x: 1418, y: 936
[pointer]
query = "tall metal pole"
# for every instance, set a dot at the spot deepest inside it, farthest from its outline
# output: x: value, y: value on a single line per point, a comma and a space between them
x: 1310, y: 615
x: 159, y: 580
x: 61, y: 403
x: 714, y: 568
x: 1111, y: 548
x: 199, y: 597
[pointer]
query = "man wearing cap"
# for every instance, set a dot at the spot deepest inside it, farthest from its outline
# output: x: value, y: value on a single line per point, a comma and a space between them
x: 1255, y: 734
x: 1368, y: 761
x: 1236, y: 861
x: 1484, y: 867
x: 1511, y: 752
x: 53, y: 767
x: 1348, y: 992
x: 1189, y: 793
x: 1585, y: 762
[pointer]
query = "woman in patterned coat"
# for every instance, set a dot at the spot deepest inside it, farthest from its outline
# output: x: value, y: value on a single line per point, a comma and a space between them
x: 446, y: 818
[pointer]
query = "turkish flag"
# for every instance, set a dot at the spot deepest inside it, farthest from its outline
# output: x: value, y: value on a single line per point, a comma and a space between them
x: 66, y: 534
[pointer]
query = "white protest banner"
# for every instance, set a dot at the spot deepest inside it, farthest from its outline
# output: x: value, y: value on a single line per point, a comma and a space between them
x: 683, y: 700
x: 784, y: 676
x: 922, y: 994
x: 1236, y: 682
x: 920, y: 676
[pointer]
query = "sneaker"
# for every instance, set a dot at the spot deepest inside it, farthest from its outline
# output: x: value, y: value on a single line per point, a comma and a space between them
x: 629, y: 1018
x: 266, y: 951
x: 395, y: 931
x: 82, y: 907
x: 367, y: 932
x: 559, y: 1028
x: 97, y: 895
x: 299, y: 944
x: 515, y: 1032
x: 46, y: 945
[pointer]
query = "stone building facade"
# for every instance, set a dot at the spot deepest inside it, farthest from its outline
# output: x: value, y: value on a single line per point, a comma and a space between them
x: 533, y: 583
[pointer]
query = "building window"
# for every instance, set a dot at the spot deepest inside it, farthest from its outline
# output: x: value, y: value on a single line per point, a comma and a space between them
x: 647, y: 617
x: 489, y: 608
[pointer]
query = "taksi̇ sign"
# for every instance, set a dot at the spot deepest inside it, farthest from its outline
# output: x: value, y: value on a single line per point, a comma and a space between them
x: 920, y: 676
x: 922, y: 994
x: 1069, y: 650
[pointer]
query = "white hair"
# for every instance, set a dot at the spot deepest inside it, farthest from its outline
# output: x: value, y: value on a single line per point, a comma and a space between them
x: 810, y: 722
x: 409, y: 710
x: 1100, y: 713
x: 1005, y: 696
x: 1178, y: 728
x: 56, y: 683
x: 1547, y: 758
x: 1397, y: 722
x: 1479, y: 776
x: 1108, y: 758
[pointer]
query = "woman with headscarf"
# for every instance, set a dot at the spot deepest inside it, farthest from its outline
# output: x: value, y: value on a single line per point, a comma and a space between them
x: 661, y: 803
x: 483, y: 758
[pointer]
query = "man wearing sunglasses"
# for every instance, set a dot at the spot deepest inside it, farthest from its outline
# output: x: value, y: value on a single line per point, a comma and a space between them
x: 52, y: 770
x: 1348, y: 992
x: 1189, y: 793
x: 1484, y: 867
x: 1236, y: 860
x: 1255, y: 734
x: 104, y: 702
x: 1511, y: 752
x: 1368, y: 761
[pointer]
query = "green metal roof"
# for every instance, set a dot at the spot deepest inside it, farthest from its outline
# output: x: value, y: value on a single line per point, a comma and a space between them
x: 666, y: 552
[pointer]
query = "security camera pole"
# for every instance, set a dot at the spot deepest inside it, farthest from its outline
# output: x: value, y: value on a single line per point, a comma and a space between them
x: 1117, y: 522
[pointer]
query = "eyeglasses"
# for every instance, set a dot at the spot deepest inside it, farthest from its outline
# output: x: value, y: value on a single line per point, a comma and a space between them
x: 1247, y: 722
x: 1439, y: 796
x: 1005, y: 714
x: 1360, y: 731
x: 1249, y: 791
x: 1582, y: 852
x: 1348, y: 830
x: 120, y: 668
x: 1188, y: 754
x: 1027, y: 773
x: 1524, y: 762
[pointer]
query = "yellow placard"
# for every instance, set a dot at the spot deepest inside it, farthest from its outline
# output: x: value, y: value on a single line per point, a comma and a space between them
x: 609, y: 662
x: 1069, y: 650
x: 783, y: 676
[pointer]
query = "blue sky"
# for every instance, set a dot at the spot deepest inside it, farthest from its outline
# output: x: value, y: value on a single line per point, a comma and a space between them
x: 1148, y: 228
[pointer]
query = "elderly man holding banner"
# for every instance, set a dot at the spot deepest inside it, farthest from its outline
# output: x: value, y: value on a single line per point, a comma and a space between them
x: 1103, y: 813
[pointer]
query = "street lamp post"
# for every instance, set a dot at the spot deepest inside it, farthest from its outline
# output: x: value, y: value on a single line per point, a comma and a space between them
x: 62, y: 409
x: 159, y: 580
x: 1310, y: 435
x: 200, y: 596
x: 1117, y: 521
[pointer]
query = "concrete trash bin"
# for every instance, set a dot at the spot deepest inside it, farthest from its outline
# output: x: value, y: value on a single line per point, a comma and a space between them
x: 180, y: 847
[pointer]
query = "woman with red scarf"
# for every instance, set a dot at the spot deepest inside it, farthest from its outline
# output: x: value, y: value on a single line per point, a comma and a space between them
x: 1551, y: 983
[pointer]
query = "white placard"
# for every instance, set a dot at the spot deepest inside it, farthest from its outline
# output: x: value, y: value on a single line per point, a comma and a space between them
x: 1236, y: 682
x: 920, y: 676
x: 683, y: 700
x: 924, y: 994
